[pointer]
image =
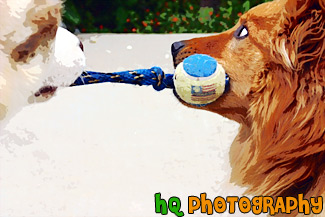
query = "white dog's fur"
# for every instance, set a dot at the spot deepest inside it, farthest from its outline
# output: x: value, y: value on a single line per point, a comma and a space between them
x: 34, y: 53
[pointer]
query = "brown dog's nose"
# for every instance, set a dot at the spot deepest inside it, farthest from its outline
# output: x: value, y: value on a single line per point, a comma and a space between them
x: 176, y: 47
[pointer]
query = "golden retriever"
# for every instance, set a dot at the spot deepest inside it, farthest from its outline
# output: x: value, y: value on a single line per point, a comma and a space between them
x: 274, y: 57
x: 36, y: 55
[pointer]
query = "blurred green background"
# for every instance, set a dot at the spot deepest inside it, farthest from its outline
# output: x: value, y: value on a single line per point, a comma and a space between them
x: 154, y: 16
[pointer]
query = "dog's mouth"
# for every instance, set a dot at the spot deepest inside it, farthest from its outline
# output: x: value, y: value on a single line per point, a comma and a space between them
x: 46, y: 91
x: 177, y: 61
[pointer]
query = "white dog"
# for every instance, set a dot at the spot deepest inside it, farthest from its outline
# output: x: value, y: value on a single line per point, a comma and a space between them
x: 36, y: 55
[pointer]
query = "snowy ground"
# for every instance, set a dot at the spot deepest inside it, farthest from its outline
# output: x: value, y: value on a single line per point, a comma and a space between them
x: 106, y: 149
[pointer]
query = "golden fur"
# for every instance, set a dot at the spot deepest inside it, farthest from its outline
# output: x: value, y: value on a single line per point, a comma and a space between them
x: 277, y: 94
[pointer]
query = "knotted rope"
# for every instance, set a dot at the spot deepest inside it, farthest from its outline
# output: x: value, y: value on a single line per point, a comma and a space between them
x: 154, y: 76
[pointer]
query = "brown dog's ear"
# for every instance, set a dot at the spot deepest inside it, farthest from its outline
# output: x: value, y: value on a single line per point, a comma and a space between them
x: 44, y: 18
x: 301, y: 41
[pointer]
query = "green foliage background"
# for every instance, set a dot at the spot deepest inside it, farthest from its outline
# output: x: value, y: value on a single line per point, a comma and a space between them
x: 152, y: 16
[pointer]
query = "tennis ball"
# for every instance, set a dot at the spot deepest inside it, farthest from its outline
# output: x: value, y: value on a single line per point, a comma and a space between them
x: 200, y: 80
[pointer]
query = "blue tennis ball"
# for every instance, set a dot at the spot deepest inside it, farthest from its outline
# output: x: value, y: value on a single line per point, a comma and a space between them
x: 199, y: 79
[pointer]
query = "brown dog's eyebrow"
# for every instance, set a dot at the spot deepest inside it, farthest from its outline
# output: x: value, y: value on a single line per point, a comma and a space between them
x: 46, y: 31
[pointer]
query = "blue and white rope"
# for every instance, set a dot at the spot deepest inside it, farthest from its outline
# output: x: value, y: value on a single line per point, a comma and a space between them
x: 154, y: 76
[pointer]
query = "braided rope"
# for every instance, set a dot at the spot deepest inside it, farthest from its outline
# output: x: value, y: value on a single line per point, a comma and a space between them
x: 154, y: 76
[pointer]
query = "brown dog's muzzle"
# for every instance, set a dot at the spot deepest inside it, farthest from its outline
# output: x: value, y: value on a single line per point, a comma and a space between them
x: 177, y: 52
x: 176, y: 48
x: 181, y: 50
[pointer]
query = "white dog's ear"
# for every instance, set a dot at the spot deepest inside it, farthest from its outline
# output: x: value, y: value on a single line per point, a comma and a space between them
x: 44, y: 18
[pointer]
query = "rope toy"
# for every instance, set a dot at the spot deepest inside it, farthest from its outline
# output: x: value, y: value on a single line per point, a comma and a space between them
x: 198, y: 80
x: 154, y: 76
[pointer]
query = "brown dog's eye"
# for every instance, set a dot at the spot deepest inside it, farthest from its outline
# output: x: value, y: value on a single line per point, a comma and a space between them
x: 241, y: 32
